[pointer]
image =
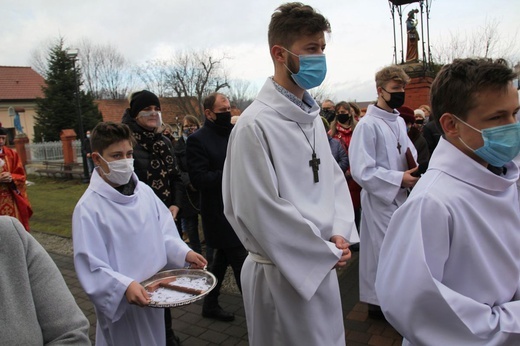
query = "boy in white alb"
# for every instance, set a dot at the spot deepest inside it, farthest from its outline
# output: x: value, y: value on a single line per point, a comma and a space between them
x: 378, y: 163
x: 449, y: 267
x: 123, y: 234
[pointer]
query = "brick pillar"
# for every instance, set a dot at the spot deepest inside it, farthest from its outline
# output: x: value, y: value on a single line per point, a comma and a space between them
x: 19, y: 144
x: 67, y: 136
x: 418, y: 92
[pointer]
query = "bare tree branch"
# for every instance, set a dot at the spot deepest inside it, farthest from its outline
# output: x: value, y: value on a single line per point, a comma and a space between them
x: 39, y: 60
x: 321, y: 93
x: 106, y: 73
x: 155, y: 76
x: 196, y: 74
x: 242, y: 93
x: 486, y: 41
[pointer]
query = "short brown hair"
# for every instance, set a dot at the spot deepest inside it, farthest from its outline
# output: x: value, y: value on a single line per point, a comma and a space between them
x: 392, y: 72
x: 210, y: 100
x: 293, y: 20
x: 107, y: 133
x: 456, y: 85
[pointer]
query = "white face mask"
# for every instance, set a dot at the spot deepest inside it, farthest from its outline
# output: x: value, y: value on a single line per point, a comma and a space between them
x: 120, y: 170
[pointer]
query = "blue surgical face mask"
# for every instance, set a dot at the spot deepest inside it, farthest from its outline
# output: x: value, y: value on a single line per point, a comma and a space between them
x: 313, y: 69
x: 501, y: 143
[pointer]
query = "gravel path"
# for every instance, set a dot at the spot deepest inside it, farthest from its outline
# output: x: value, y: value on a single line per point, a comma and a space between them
x: 54, y: 243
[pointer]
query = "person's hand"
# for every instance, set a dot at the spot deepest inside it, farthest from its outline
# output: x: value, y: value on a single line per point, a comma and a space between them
x: 5, y: 177
x: 174, y: 210
x: 196, y: 260
x: 137, y: 295
x: 343, y: 245
x: 408, y: 179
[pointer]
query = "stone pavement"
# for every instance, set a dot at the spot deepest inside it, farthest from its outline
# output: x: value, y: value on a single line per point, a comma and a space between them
x: 194, y: 330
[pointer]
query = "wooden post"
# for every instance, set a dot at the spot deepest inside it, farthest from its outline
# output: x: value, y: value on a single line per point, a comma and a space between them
x: 67, y: 136
x: 19, y: 144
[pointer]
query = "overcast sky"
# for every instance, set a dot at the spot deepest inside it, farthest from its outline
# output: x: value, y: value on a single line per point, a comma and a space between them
x: 360, y: 44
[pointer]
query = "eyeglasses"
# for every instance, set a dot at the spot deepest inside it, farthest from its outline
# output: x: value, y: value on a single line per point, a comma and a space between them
x: 192, y: 127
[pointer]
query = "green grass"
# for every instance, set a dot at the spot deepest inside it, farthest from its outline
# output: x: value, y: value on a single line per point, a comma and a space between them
x: 53, y: 201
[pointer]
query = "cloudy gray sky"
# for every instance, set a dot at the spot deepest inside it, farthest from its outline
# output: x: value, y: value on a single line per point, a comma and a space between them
x: 360, y: 44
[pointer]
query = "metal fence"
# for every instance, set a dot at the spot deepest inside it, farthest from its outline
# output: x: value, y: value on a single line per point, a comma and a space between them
x: 50, y: 151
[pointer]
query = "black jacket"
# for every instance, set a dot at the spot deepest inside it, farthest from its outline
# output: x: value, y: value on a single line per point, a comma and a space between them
x: 432, y: 134
x: 205, y: 156
x: 189, y: 197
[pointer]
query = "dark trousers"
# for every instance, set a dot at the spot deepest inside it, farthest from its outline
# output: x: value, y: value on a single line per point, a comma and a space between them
x: 171, y: 339
x: 234, y: 257
x: 191, y: 226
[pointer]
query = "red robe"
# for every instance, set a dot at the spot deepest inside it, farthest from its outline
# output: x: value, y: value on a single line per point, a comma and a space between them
x: 13, y: 196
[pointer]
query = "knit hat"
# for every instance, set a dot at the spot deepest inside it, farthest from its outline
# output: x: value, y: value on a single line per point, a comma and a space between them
x: 407, y: 114
x: 141, y: 100
x: 3, y: 132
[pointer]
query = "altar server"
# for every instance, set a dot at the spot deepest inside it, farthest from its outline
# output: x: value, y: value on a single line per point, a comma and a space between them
x: 378, y: 162
x: 286, y: 197
x: 123, y: 234
x: 449, y: 267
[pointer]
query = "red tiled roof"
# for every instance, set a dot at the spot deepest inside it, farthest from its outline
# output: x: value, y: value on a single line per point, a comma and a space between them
x: 20, y: 83
x: 113, y: 110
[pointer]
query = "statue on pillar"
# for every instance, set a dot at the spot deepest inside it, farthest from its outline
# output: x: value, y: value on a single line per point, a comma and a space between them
x: 412, y: 47
x: 18, y: 123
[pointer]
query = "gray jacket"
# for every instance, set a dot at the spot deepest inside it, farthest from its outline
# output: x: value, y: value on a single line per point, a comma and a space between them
x: 37, y: 308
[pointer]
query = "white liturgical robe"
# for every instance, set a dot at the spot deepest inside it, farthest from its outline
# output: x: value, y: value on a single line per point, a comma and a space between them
x: 517, y: 161
x: 285, y: 220
x: 119, y: 239
x: 449, y: 267
x: 378, y: 167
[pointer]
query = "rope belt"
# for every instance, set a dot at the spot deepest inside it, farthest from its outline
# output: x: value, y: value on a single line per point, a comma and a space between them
x: 260, y: 259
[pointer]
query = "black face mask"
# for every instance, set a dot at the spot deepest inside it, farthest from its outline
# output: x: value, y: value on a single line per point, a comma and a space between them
x: 328, y: 114
x: 343, y: 118
x: 223, y: 119
x: 396, y: 99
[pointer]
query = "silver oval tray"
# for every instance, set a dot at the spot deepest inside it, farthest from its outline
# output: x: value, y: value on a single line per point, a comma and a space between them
x: 166, y: 298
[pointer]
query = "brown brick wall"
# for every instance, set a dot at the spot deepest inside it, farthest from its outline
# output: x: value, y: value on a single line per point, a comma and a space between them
x: 418, y: 92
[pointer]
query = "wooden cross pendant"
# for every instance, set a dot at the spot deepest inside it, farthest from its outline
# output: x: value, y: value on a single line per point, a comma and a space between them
x: 399, y: 147
x: 315, y: 164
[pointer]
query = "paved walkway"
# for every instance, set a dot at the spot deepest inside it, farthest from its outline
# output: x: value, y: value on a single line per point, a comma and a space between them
x: 194, y: 330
